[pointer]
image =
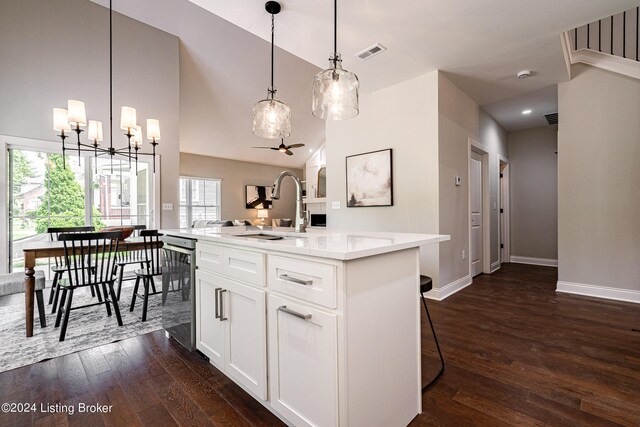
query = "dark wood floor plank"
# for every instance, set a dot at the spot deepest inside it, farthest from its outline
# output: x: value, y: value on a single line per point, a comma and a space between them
x: 184, y: 410
x: 93, y: 361
x: 516, y: 353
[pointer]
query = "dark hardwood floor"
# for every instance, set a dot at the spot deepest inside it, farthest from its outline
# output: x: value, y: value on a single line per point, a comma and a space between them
x: 517, y: 354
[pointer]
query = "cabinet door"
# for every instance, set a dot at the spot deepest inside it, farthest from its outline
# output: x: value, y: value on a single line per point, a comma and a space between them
x: 246, y: 341
x: 303, y: 380
x: 210, y: 331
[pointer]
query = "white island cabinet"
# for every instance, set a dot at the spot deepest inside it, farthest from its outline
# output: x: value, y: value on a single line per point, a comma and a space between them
x: 322, y: 328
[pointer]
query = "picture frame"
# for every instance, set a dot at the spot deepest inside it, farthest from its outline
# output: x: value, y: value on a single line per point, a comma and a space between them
x: 369, y: 179
x: 258, y: 197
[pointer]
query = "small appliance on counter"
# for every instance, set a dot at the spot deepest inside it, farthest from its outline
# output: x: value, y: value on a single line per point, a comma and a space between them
x: 318, y: 220
x: 178, y: 290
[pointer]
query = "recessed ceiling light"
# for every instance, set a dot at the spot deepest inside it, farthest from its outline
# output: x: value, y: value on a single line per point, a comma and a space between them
x: 525, y: 112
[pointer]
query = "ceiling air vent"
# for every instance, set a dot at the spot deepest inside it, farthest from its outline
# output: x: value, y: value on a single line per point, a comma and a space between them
x: 371, y: 51
x: 552, y: 118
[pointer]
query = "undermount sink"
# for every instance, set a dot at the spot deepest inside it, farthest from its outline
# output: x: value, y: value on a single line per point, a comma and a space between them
x: 264, y: 236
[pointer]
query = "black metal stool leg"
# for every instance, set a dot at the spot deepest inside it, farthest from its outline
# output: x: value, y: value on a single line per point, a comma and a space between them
x: 433, y: 331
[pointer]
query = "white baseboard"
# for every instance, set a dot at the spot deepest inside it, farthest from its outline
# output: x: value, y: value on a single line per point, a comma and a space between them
x: 447, y: 290
x: 606, y: 292
x: 534, y: 261
x: 495, y: 266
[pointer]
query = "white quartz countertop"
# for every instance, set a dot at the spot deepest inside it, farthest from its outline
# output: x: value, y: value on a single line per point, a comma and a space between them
x: 341, y: 245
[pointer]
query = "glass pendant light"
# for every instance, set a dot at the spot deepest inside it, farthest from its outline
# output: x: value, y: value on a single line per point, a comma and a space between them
x: 271, y: 117
x: 335, y: 90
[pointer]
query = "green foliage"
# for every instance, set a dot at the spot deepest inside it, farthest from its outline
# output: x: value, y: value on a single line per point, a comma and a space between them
x: 63, y: 200
x: 21, y: 170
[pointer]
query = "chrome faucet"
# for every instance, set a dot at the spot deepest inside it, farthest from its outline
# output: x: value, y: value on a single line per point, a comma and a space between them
x: 301, y: 221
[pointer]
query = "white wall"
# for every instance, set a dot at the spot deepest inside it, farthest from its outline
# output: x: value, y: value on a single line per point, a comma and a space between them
x: 52, y: 51
x: 598, y: 174
x: 533, y: 180
x: 427, y: 121
x: 235, y: 175
x: 403, y: 117
x: 460, y: 118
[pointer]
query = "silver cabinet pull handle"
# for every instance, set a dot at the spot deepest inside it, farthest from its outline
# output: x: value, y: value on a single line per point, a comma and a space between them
x: 284, y: 309
x: 295, y: 280
x: 216, y: 303
x: 222, y: 318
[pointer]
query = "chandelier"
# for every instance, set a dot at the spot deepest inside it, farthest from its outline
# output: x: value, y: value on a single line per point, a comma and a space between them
x: 74, y: 118
x: 271, y: 117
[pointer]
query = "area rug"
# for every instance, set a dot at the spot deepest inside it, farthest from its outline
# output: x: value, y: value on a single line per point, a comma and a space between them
x: 87, y: 328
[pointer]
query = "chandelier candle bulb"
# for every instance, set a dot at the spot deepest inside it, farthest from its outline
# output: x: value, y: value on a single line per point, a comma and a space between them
x: 153, y: 129
x: 95, y: 131
x: 128, y: 120
x: 77, y: 115
x: 60, y: 120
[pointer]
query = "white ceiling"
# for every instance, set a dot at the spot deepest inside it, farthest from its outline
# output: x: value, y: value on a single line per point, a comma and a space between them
x: 228, y: 71
x: 508, y: 112
x: 481, y: 45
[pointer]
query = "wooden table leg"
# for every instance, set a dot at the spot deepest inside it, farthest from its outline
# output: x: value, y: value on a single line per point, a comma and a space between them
x: 29, y: 290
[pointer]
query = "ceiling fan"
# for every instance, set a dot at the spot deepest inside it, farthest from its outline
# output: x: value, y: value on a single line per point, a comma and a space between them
x: 286, y: 149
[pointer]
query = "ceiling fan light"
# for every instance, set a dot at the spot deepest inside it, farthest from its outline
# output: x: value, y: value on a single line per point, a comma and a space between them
x: 335, y: 93
x: 271, y: 119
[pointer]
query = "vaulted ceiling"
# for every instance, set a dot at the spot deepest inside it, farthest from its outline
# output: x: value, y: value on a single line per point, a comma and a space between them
x: 481, y: 45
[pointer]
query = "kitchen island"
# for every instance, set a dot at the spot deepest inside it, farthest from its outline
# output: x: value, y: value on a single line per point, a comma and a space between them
x: 323, y: 328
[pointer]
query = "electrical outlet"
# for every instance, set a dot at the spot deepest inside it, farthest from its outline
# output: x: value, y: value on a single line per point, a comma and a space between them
x: 167, y: 206
x: 335, y: 204
x: 458, y: 181
x: 464, y: 254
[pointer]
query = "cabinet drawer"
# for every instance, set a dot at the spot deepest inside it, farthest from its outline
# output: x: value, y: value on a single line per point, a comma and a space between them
x: 245, y: 266
x: 309, y: 281
x: 209, y: 257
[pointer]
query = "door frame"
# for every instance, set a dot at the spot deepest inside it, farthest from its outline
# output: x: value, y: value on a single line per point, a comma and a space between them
x: 479, y: 148
x: 504, y: 220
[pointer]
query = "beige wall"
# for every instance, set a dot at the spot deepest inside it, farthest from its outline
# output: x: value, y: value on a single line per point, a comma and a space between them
x: 235, y: 175
x: 460, y: 118
x: 52, y: 51
x: 598, y: 174
x: 402, y: 117
x: 533, y: 183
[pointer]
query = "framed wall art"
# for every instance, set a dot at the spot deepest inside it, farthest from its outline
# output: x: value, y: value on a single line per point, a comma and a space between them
x: 258, y: 197
x: 370, y: 179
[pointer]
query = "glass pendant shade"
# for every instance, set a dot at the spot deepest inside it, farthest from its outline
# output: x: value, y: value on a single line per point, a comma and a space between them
x: 335, y: 93
x: 271, y: 119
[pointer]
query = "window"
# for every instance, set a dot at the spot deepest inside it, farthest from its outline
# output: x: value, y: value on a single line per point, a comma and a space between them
x: 199, y: 200
x: 43, y: 194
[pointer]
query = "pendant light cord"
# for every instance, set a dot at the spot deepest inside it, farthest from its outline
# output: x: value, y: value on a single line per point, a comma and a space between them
x: 110, y: 77
x: 271, y: 89
x: 335, y: 33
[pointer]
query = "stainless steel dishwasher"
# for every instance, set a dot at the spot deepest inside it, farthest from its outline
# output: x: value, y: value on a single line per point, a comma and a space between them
x: 178, y: 290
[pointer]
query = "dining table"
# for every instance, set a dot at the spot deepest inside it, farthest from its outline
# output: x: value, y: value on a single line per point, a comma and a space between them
x: 52, y: 249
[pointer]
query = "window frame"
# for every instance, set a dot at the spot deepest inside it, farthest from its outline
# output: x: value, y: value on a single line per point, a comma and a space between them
x: 189, y: 198
x: 55, y: 147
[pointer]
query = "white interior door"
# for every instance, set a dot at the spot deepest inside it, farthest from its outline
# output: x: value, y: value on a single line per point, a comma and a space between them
x: 475, y: 188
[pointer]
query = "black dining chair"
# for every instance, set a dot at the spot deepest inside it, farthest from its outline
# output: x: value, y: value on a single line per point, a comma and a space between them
x: 89, y: 259
x: 152, y: 267
x: 125, y: 258
x: 59, y: 267
x: 426, y: 284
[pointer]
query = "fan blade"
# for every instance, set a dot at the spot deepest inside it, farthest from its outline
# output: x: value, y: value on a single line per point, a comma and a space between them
x: 270, y: 148
x: 288, y: 153
x: 296, y: 146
